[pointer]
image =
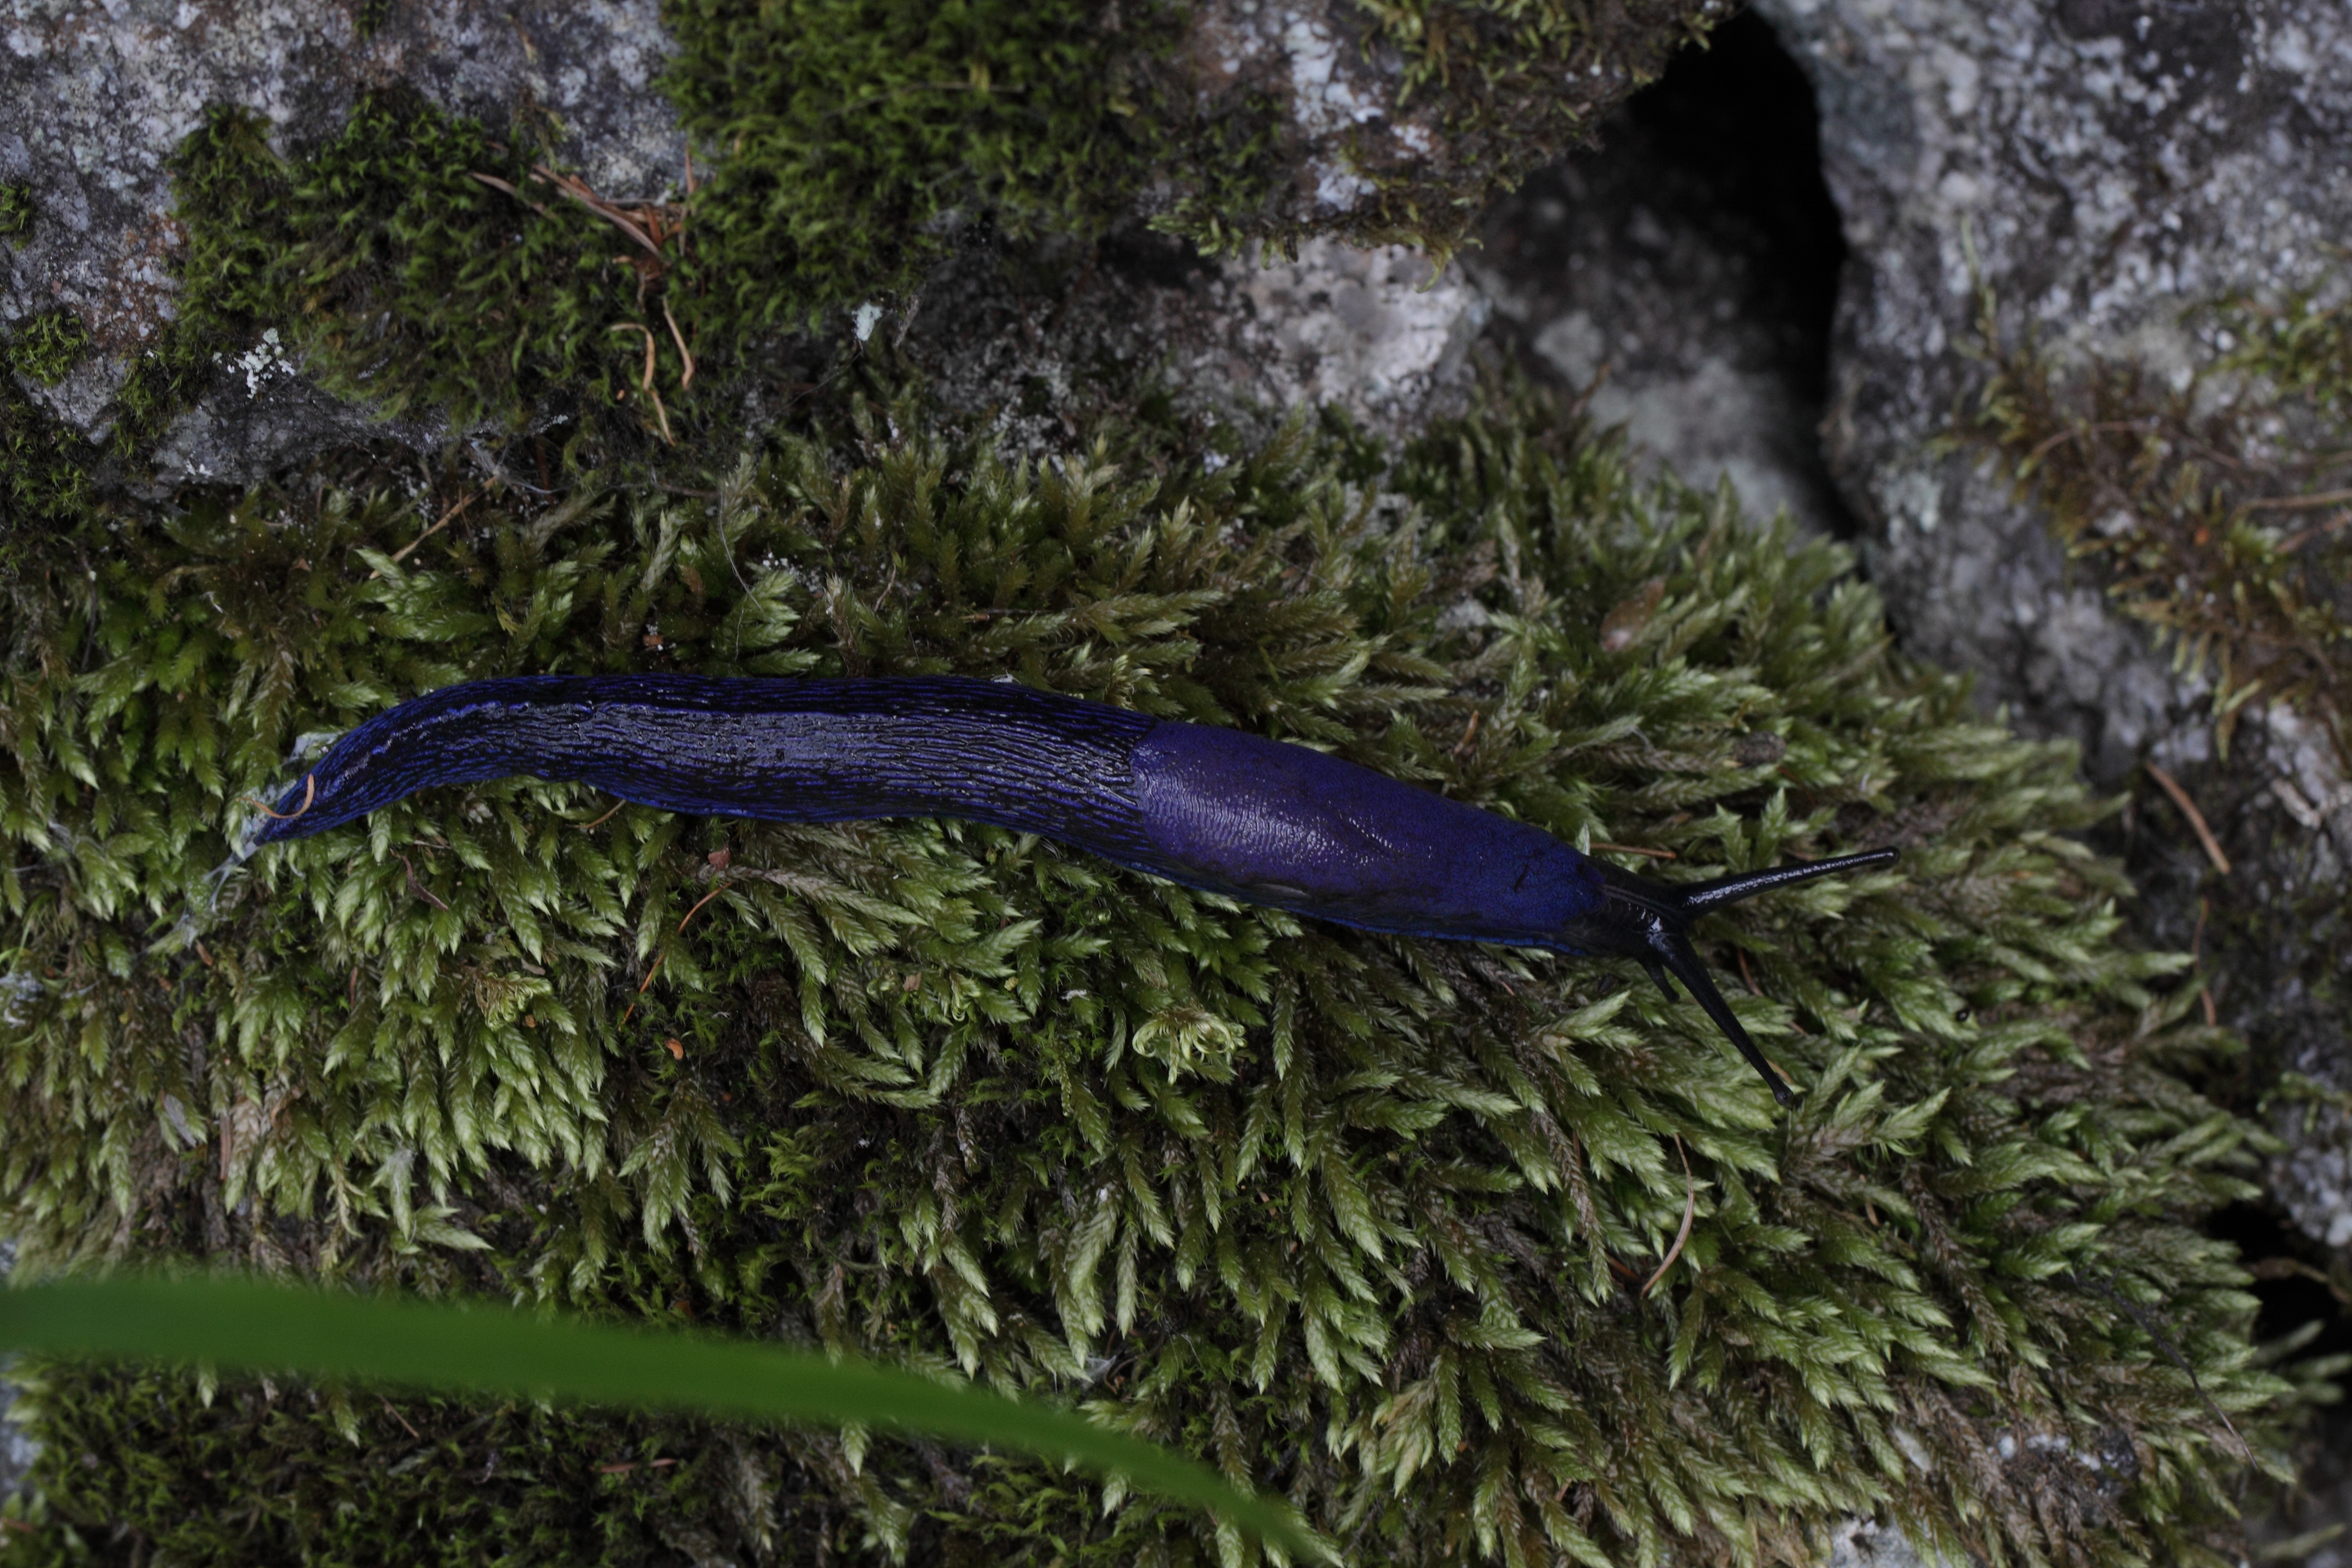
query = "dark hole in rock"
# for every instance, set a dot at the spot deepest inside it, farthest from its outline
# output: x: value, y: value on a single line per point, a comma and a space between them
x: 1738, y: 120
x: 1694, y: 255
x: 2289, y: 1267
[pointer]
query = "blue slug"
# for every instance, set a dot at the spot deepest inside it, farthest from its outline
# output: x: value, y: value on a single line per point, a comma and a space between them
x: 1217, y: 809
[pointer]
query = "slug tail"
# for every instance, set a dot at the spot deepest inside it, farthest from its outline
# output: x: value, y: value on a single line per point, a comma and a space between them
x: 1650, y: 923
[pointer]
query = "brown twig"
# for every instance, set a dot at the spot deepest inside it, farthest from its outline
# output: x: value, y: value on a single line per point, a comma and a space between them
x: 579, y: 191
x: 1741, y: 954
x: 699, y: 904
x: 683, y: 353
x: 647, y: 379
x: 2172, y: 786
x: 651, y: 970
x: 1635, y: 849
x: 2304, y: 536
x: 1690, y: 1213
x: 417, y: 887
x: 2298, y: 503
x: 653, y: 392
x: 497, y: 185
x: 404, y: 551
x: 2074, y: 432
x: 1468, y: 730
x: 309, y: 793
x: 591, y: 826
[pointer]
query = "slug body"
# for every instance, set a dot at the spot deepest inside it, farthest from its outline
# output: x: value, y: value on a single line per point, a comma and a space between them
x: 1211, y: 808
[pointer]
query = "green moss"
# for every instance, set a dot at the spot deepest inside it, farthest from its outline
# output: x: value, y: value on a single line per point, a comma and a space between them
x: 2212, y: 513
x: 47, y: 346
x: 858, y: 139
x: 259, y: 1473
x: 45, y: 481
x: 405, y: 275
x: 17, y: 209
x: 1361, y: 1219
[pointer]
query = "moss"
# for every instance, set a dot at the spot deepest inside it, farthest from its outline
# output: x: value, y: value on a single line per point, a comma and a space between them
x: 1362, y: 1219
x: 45, y: 481
x: 2212, y: 512
x: 47, y: 346
x: 256, y: 1472
x: 419, y: 265
x: 17, y: 209
x: 857, y: 139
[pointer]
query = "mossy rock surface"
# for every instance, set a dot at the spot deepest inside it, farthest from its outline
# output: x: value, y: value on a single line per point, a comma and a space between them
x: 841, y: 151
x: 1477, y: 1254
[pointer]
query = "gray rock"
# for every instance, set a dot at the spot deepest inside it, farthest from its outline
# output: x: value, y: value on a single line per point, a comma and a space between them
x: 2101, y: 166
x: 1354, y: 136
x: 2110, y: 163
x: 1242, y: 341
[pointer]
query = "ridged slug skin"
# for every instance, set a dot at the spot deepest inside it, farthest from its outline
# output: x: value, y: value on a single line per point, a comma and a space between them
x: 1211, y: 808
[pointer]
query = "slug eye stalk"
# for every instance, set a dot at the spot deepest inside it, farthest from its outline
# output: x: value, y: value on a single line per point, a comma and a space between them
x: 1650, y: 923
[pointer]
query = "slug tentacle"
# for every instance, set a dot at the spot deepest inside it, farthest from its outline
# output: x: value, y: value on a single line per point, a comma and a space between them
x: 1213, y: 808
x: 1650, y: 923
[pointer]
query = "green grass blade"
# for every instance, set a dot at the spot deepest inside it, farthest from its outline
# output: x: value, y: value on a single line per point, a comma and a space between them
x: 487, y: 1349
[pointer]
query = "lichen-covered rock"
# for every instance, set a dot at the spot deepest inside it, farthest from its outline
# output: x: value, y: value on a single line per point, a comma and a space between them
x: 1402, y: 122
x: 1242, y: 342
x: 2106, y: 173
x: 2101, y: 167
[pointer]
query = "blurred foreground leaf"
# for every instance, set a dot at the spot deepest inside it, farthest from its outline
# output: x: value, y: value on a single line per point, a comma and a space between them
x: 486, y: 1350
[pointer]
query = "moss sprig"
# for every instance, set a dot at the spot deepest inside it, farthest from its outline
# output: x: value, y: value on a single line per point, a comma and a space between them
x: 17, y: 209
x: 47, y: 346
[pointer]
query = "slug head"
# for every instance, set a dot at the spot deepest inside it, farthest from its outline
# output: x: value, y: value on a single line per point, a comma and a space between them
x: 1649, y: 922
